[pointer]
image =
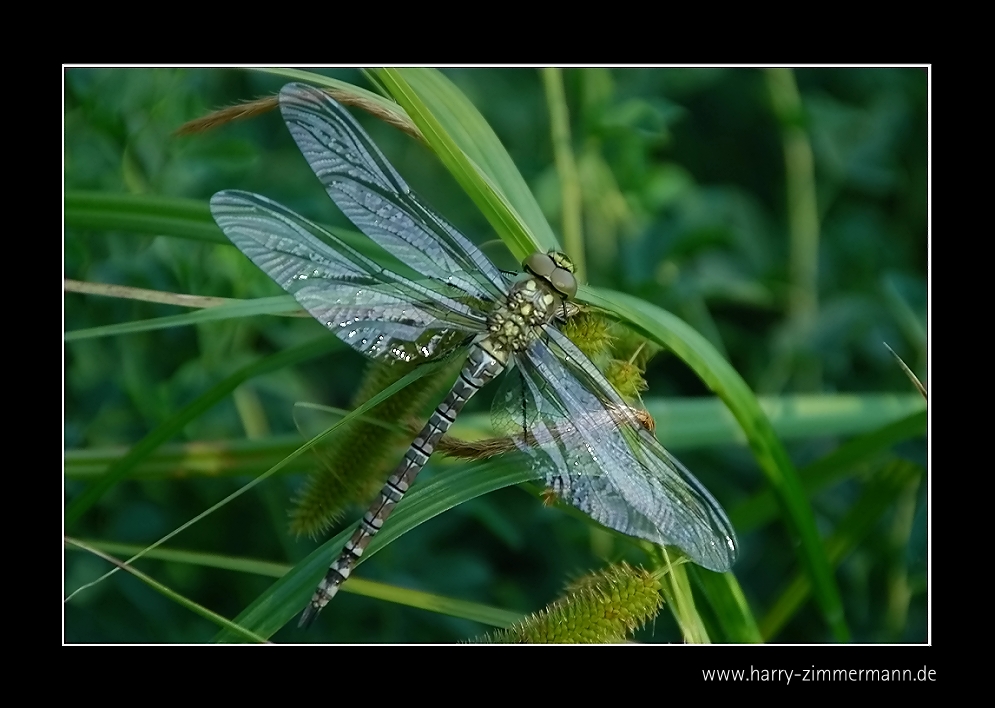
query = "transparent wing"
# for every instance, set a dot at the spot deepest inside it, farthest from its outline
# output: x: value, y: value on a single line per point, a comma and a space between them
x: 595, y: 452
x: 369, y: 191
x: 372, y: 309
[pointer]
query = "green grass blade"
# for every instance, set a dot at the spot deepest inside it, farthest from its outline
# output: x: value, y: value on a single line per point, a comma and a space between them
x: 879, y: 494
x: 834, y: 467
x: 681, y: 424
x: 721, y: 378
x: 199, y: 558
x: 276, y: 305
x: 122, y: 468
x: 475, y: 137
x: 699, y: 422
x: 908, y: 372
x: 171, y: 594
x: 727, y: 601
x: 287, y: 596
x: 676, y: 588
x: 154, y: 215
x: 566, y: 169
x: 474, y: 180
x: 202, y: 458
x: 183, y: 218
x: 430, y: 602
x: 363, y: 409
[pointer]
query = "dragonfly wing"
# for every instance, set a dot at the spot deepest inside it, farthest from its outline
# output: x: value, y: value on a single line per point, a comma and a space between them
x: 595, y: 453
x: 372, y: 194
x: 372, y: 309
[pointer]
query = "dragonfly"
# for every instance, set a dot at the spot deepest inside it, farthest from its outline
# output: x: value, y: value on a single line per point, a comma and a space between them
x: 589, y: 447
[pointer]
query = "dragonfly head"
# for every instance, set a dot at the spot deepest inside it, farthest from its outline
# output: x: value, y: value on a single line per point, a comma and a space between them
x: 556, y: 269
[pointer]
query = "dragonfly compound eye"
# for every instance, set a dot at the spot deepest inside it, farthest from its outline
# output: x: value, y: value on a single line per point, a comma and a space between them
x: 556, y: 269
x: 540, y: 264
x: 564, y: 282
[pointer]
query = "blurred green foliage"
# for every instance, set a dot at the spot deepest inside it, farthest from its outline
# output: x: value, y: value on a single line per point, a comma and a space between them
x: 687, y: 203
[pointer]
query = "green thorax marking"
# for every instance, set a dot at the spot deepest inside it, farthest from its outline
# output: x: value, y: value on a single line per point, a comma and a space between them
x: 532, y: 302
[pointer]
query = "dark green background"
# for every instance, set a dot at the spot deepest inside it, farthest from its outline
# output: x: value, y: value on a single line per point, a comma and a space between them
x: 683, y: 177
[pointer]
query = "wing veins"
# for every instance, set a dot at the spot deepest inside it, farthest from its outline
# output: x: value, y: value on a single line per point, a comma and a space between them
x: 340, y: 152
x: 656, y: 489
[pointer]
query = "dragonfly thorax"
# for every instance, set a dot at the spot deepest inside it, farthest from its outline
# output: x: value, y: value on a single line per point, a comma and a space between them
x: 514, y: 323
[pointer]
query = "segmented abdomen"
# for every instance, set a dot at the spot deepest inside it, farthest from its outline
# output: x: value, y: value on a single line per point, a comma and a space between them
x: 479, y: 369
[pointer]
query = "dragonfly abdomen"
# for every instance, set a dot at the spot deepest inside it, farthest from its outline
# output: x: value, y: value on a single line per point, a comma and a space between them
x: 479, y: 369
